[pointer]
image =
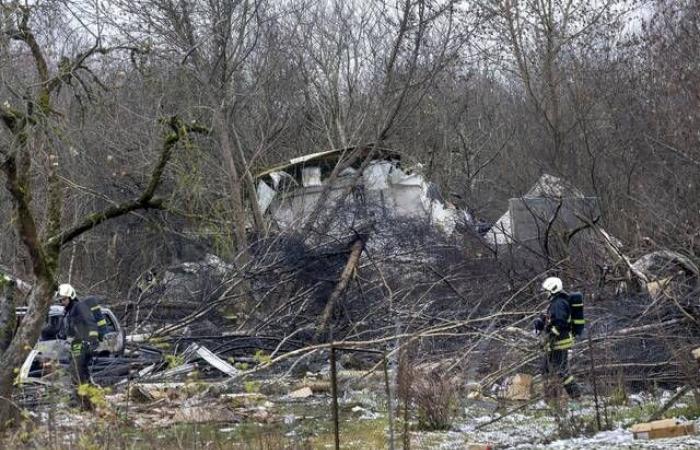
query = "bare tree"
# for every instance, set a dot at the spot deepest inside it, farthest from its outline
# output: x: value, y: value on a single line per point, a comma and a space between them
x: 32, y: 138
x: 539, y: 41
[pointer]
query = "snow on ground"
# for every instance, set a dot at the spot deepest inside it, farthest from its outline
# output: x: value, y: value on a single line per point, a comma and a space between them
x: 536, y: 428
x: 522, y: 433
x: 623, y: 439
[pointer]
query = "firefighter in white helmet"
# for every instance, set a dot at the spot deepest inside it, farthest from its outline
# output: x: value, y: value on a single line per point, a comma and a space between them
x: 557, y: 324
x: 80, y: 327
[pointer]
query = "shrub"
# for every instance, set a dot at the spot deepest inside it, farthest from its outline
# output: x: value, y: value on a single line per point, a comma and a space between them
x: 436, y: 399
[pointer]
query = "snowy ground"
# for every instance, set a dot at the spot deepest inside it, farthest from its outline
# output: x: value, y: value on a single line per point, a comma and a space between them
x: 535, y: 427
x: 621, y: 439
x: 236, y: 420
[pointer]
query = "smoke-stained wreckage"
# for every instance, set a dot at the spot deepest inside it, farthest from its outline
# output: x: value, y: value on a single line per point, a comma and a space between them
x: 417, y: 238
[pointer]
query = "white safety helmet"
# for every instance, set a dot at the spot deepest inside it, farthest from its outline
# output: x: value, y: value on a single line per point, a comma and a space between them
x: 66, y: 290
x: 553, y: 285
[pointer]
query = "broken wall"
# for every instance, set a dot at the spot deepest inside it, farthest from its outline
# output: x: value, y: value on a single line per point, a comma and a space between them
x: 383, y: 191
x: 533, y: 217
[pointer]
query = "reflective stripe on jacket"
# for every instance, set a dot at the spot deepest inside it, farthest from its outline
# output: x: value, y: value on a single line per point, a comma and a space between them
x: 563, y: 344
x: 559, y: 322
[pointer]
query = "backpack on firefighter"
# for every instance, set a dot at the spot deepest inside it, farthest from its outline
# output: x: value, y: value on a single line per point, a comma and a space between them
x: 578, y: 322
x: 94, y: 303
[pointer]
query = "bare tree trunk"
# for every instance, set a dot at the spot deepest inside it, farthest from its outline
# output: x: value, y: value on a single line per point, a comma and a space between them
x: 44, y: 253
x: 350, y: 267
x: 237, y: 204
x: 258, y: 221
x: 22, y: 343
x: 7, y: 313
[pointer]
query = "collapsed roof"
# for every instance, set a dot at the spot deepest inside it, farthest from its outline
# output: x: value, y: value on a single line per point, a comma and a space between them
x: 385, y: 187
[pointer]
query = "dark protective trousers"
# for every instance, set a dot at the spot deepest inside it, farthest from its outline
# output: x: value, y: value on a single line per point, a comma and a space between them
x: 556, y: 363
x: 81, y: 355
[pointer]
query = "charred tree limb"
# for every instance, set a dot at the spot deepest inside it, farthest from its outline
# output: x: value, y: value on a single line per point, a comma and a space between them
x: 671, y: 401
x: 356, y: 250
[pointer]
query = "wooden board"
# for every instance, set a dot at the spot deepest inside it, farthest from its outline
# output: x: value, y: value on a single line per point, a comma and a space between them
x: 519, y: 387
x: 659, y: 429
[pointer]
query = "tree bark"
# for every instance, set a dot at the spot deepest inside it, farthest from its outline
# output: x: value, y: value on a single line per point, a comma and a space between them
x: 44, y: 255
x: 21, y: 345
x: 356, y: 250
x: 237, y: 205
x: 7, y: 313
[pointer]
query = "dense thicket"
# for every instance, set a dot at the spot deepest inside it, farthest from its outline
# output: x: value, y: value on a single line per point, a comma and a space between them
x: 486, y: 94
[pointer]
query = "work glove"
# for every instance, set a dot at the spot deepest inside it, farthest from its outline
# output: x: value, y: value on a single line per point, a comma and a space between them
x: 538, y: 325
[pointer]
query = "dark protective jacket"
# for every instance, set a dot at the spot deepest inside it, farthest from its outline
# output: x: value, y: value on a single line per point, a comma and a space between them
x: 94, y: 303
x: 559, y: 322
x: 79, y: 323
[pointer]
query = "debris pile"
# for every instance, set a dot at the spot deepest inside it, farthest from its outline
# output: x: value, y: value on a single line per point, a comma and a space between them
x: 358, y: 183
x: 393, y: 277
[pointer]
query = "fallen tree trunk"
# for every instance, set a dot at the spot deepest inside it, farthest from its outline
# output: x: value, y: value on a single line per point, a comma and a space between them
x: 356, y: 250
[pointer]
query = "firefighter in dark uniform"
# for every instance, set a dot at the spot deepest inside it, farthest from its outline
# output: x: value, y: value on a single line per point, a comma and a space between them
x: 80, y: 325
x: 557, y: 324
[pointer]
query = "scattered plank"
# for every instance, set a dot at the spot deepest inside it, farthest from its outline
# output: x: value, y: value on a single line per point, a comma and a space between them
x: 148, y: 392
x: 212, y: 359
x: 519, y: 387
x: 659, y: 429
x: 301, y: 393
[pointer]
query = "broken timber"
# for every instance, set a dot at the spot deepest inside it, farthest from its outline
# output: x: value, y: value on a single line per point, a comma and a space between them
x: 356, y: 250
x: 677, y: 396
x: 211, y: 358
x: 659, y: 429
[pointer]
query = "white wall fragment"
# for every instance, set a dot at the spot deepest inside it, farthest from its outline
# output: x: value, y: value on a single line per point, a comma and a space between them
x: 501, y: 232
x: 443, y: 218
x: 265, y: 195
x: 311, y: 176
x: 282, y: 180
x: 376, y: 175
x: 399, y: 177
